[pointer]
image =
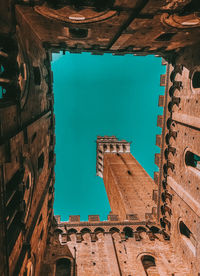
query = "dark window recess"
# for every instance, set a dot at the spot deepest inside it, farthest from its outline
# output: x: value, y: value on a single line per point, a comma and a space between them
x: 196, y: 80
x: 78, y: 33
x: 63, y: 267
x: 40, y: 219
x: 40, y: 162
x: 37, y: 75
x: 13, y: 184
x: 128, y: 232
x: 114, y: 230
x: 33, y: 137
x: 165, y: 37
x: 27, y: 183
x: 13, y: 232
x: 147, y: 262
x: 184, y: 230
x: 192, y: 160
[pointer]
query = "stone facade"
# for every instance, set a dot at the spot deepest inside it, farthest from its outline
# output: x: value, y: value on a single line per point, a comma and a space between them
x: 32, y: 242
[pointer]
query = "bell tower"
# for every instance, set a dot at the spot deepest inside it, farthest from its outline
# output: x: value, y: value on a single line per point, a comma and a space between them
x: 128, y: 186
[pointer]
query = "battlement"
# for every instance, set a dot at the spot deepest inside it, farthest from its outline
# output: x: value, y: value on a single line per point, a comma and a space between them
x: 111, y: 218
x: 109, y: 144
x: 113, y: 225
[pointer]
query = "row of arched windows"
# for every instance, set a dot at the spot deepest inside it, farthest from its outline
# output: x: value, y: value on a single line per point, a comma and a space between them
x: 129, y: 232
x: 64, y: 266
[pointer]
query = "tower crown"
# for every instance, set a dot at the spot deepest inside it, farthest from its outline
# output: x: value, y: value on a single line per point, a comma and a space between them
x: 109, y: 144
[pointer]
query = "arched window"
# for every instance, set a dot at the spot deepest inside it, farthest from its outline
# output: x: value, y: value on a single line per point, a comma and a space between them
x: 85, y: 230
x: 184, y: 230
x: 192, y: 160
x: 128, y: 232
x: 165, y: 37
x: 196, y: 80
x: 188, y: 237
x: 99, y: 230
x: 71, y: 231
x: 114, y: 230
x: 63, y: 267
x: 78, y: 33
x: 149, y: 264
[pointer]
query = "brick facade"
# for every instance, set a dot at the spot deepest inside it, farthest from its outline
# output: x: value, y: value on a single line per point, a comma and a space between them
x: 158, y: 240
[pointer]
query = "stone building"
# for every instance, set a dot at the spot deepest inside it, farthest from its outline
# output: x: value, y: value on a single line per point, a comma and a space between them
x: 144, y: 235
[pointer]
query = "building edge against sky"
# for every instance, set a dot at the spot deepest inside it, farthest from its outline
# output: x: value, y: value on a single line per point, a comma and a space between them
x: 114, y: 121
x: 33, y: 242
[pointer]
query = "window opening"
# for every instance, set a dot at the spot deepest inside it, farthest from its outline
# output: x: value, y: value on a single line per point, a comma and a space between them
x: 63, y: 267
x: 196, y: 80
x: 41, y: 162
x: 128, y: 232
x: 37, y: 76
x: 78, y: 33
x: 184, y: 230
x: 148, y: 263
x: 165, y: 37
x: 192, y: 160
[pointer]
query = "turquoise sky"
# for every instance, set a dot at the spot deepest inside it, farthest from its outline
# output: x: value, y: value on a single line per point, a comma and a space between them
x: 100, y: 95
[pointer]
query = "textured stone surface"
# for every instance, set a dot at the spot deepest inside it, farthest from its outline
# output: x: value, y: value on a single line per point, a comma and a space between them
x: 29, y: 32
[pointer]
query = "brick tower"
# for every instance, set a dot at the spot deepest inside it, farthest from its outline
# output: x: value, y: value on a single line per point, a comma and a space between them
x: 128, y: 186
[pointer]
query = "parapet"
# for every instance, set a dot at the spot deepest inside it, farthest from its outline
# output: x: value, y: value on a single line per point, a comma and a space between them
x: 109, y: 144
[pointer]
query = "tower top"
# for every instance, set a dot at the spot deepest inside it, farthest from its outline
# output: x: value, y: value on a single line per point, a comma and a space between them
x: 109, y: 144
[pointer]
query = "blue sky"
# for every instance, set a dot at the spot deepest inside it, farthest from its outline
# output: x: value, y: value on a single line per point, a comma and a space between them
x: 100, y: 95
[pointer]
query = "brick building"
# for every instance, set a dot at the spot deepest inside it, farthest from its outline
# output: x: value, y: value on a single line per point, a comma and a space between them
x: 153, y: 233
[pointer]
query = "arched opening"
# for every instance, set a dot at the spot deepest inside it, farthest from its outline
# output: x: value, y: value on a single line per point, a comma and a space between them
x: 165, y: 37
x: 85, y: 230
x: 128, y: 232
x: 196, y: 80
x: 184, y: 230
x: 40, y: 162
x: 154, y: 229
x: 99, y: 230
x: 149, y: 264
x: 37, y: 75
x: 141, y: 229
x: 187, y: 237
x: 63, y: 267
x: 192, y: 160
x: 71, y: 231
x: 78, y: 33
x: 114, y: 230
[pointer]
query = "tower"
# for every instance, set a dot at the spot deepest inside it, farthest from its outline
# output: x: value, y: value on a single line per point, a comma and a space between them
x: 128, y: 185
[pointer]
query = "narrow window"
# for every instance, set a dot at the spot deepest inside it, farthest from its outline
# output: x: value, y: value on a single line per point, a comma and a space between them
x: 184, y: 230
x: 165, y: 37
x: 37, y: 75
x: 63, y: 267
x: 196, y: 80
x: 149, y: 264
x: 187, y: 237
x: 77, y: 33
x: 128, y: 232
x: 192, y: 160
x: 40, y: 162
